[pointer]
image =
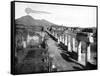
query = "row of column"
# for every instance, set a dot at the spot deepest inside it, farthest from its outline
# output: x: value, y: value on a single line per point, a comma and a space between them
x: 70, y: 41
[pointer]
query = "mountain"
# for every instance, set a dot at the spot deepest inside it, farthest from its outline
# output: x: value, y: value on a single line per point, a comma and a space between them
x: 28, y: 20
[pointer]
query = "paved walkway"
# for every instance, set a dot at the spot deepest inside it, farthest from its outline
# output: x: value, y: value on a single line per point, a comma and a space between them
x: 58, y: 61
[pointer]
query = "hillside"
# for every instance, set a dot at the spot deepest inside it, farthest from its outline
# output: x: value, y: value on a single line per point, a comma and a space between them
x: 30, y: 21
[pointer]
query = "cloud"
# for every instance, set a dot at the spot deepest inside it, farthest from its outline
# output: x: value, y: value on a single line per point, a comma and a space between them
x: 29, y: 10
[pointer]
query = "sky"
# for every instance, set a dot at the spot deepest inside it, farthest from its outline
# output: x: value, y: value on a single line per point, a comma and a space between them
x: 71, y: 16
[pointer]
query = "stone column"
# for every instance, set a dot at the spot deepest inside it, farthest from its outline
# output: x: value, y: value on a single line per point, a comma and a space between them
x: 79, y: 52
x: 88, y: 53
x: 69, y: 44
x: 76, y: 46
x: 53, y: 33
x: 81, y: 56
x: 66, y: 39
x: 63, y: 39
x: 91, y: 38
x: 73, y: 39
x: 58, y: 40
x: 89, y: 56
x: 24, y: 44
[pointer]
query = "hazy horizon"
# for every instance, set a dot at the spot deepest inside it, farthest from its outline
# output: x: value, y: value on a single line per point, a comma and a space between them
x: 72, y: 16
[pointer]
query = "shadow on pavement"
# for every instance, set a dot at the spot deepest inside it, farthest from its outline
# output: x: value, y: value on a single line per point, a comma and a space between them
x: 77, y: 68
x: 65, y: 57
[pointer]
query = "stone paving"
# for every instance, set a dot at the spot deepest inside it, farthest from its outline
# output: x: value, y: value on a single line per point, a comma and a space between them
x: 60, y: 63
